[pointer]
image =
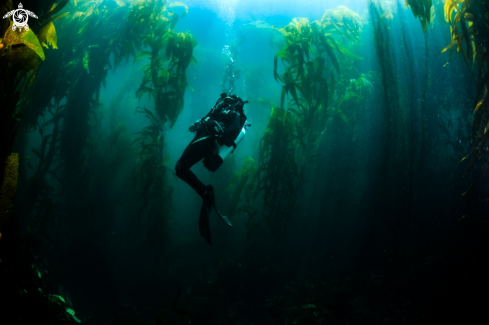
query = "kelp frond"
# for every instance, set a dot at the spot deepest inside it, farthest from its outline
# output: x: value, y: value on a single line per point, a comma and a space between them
x: 422, y: 9
x: 469, y: 32
x: 164, y: 79
x: 343, y: 21
x: 459, y: 14
x: 177, y: 4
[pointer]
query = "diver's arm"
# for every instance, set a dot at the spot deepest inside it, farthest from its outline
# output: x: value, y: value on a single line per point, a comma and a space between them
x: 196, y: 126
x: 208, y: 114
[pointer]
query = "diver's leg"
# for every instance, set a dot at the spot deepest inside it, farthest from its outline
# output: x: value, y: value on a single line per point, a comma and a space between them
x: 194, y: 152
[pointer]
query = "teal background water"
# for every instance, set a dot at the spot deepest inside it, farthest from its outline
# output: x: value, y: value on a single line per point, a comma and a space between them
x: 361, y: 243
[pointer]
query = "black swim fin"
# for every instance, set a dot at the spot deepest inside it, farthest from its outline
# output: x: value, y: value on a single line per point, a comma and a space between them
x: 204, y: 226
x: 210, y: 202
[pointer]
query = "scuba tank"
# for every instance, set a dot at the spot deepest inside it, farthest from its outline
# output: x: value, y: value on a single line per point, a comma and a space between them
x: 226, y: 122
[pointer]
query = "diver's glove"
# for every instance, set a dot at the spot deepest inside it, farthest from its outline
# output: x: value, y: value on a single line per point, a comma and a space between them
x: 196, y: 126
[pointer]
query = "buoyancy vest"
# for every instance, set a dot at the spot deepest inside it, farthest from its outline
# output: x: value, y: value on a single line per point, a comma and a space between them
x: 226, y: 119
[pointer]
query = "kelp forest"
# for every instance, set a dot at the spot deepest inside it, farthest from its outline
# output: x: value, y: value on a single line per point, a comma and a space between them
x: 359, y: 194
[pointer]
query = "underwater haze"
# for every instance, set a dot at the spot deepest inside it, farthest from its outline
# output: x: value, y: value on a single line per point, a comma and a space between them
x: 357, y: 196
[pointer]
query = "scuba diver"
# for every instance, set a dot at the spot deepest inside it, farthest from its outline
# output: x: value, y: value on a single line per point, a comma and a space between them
x: 217, y: 135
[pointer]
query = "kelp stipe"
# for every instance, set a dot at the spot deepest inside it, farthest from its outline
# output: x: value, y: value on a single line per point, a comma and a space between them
x: 470, y: 37
x: 289, y: 148
x: 8, y: 188
x: 150, y: 182
x: 20, y: 56
x: 164, y: 81
x: 469, y: 34
x: 244, y: 183
x: 278, y: 174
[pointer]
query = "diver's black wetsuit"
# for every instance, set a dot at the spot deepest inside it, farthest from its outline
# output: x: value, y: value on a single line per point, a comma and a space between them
x: 222, y: 125
x: 197, y: 150
x: 194, y: 152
